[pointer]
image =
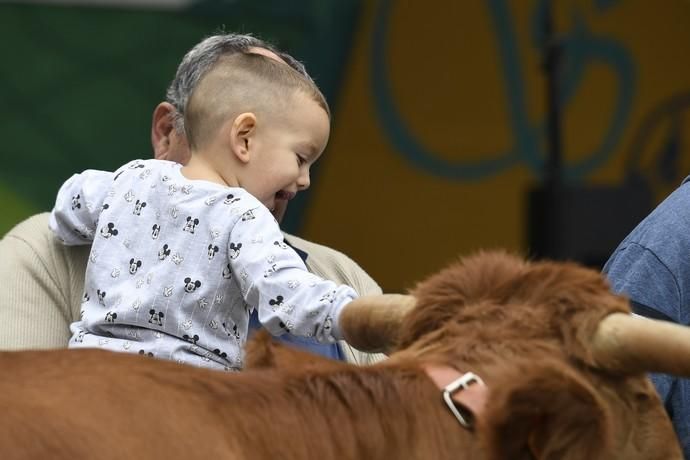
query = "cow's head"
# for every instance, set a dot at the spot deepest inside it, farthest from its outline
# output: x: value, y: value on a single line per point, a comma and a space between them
x: 564, y: 360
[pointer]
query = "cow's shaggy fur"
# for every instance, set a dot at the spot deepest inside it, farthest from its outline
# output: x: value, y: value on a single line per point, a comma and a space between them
x: 523, y: 327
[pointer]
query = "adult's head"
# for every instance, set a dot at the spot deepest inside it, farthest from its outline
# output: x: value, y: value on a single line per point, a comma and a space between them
x: 167, y: 129
x: 256, y: 123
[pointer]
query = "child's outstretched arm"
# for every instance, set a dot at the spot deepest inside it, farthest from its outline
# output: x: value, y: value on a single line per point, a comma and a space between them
x: 78, y: 205
x: 275, y: 280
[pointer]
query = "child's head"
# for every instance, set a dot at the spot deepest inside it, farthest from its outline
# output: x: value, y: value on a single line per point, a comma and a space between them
x: 204, y: 56
x: 259, y: 124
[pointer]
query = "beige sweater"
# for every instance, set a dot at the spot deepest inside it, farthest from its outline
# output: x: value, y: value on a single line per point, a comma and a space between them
x: 43, y: 281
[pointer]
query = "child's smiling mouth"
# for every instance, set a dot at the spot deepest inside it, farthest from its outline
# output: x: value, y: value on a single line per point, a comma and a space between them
x: 282, y: 195
x: 285, y: 195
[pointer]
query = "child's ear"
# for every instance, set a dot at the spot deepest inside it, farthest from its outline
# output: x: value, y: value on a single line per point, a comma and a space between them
x: 242, y: 135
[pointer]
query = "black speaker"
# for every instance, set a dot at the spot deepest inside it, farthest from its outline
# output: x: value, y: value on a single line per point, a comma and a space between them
x: 584, y: 223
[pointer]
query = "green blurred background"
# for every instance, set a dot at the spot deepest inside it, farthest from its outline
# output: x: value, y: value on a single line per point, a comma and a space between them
x: 78, y: 82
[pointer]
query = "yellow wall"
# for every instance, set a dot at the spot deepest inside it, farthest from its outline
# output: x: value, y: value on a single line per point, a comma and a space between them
x: 448, y: 67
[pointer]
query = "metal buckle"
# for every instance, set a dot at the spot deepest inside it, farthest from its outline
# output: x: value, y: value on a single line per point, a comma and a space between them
x: 461, y: 383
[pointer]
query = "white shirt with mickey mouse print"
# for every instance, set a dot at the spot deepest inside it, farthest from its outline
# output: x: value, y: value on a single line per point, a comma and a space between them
x: 177, y: 265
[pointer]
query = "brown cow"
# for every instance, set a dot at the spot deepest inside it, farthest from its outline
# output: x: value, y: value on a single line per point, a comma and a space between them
x: 563, y: 370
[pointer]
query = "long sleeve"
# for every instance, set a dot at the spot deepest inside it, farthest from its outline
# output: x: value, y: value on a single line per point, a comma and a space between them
x: 334, y: 265
x: 274, y: 279
x: 43, y: 286
x: 78, y: 205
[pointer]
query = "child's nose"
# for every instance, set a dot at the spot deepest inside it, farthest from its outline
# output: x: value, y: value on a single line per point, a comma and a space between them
x: 303, y: 181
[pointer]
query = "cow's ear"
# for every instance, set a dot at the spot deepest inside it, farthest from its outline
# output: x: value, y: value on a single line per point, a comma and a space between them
x: 262, y: 352
x: 545, y: 411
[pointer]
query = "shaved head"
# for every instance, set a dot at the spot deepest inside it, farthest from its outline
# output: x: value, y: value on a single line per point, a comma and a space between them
x: 257, y: 82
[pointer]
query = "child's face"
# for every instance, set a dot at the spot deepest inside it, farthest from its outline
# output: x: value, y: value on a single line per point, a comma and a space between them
x: 283, y: 150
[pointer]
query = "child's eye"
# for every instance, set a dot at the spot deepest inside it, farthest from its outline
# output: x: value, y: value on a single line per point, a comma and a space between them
x: 300, y: 160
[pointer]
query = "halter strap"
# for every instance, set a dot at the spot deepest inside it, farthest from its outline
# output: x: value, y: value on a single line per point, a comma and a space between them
x: 464, y: 394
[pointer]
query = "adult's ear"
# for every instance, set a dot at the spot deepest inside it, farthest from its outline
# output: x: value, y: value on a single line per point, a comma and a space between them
x: 161, y: 129
x: 167, y: 143
x: 242, y: 132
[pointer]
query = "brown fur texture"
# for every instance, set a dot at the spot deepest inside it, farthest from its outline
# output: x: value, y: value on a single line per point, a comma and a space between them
x: 523, y: 327
x: 516, y: 300
x: 263, y: 352
x: 542, y: 409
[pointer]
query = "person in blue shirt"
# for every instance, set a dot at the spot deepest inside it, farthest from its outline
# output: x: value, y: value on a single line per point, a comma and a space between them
x: 651, y: 266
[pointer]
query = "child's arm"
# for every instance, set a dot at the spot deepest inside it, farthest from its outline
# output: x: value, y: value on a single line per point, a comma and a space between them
x: 274, y: 279
x: 78, y: 205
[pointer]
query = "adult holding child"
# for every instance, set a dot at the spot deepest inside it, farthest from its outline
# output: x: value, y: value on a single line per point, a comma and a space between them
x: 43, y: 281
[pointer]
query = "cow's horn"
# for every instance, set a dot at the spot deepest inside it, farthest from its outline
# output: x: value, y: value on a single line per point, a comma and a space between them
x: 627, y: 344
x: 371, y: 323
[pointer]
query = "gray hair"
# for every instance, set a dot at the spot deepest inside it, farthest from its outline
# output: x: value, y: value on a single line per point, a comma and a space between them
x: 203, y: 56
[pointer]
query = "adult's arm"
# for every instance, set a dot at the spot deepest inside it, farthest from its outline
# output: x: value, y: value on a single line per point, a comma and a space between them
x: 42, y: 286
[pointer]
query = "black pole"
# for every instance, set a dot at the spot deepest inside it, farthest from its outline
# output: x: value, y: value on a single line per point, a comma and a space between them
x: 546, y: 218
x: 552, y: 70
